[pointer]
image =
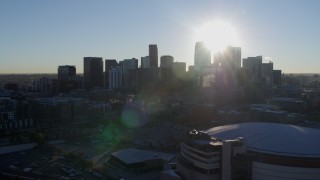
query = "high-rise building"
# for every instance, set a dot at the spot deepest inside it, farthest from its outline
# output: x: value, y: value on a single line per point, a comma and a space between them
x: 109, y: 63
x: 232, y: 58
x: 179, y: 69
x: 276, y: 75
x: 227, y: 64
x: 166, y: 61
x: 66, y: 72
x: 202, y: 56
x: 141, y: 78
x: 115, y: 77
x: 166, y: 68
x: 93, y: 72
x: 252, y: 67
x: 267, y: 74
x: 153, y: 55
x: 145, y: 62
x: 67, y: 80
x: 128, y: 64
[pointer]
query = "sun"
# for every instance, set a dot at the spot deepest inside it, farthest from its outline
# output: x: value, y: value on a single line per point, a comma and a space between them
x: 217, y: 35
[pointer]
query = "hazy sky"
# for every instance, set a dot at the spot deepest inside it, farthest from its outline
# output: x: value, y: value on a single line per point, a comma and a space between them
x: 36, y: 36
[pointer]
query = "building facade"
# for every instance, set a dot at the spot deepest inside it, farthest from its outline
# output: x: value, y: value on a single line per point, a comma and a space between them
x: 115, y: 77
x: 202, y: 56
x: 166, y: 61
x: 153, y: 55
x: 179, y: 69
x: 109, y: 63
x: 145, y: 62
x: 253, y: 69
x: 66, y: 72
x: 128, y: 64
x: 93, y: 72
x: 250, y: 151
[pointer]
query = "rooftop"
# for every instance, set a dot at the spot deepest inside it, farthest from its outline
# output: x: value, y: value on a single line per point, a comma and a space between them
x: 273, y: 138
x: 132, y: 155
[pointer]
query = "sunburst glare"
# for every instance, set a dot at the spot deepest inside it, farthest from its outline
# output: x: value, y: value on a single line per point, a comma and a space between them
x: 217, y: 35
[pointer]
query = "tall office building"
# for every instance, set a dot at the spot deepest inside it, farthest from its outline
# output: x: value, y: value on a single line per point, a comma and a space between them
x: 179, y: 69
x: 127, y: 65
x: 166, y: 61
x: 66, y: 72
x: 267, y: 74
x: 228, y: 63
x: 232, y: 58
x: 202, y: 56
x: 166, y: 68
x: 153, y: 55
x: 93, y: 72
x: 67, y: 80
x: 115, y: 77
x: 109, y: 63
x: 276, y: 75
x: 252, y: 67
x: 145, y: 62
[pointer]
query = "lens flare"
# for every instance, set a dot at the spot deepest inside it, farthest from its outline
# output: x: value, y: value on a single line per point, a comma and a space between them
x: 134, y: 115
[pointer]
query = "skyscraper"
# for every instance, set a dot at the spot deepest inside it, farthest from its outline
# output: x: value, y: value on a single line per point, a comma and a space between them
x: 252, y: 67
x: 109, y: 63
x: 166, y: 61
x: 276, y: 77
x: 145, y: 62
x: 232, y: 58
x: 127, y: 65
x: 153, y: 55
x: 267, y: 74
x: 115, y: 77
x: 67, y: 80
x: 92, y: 72
x: 66, y: 72
x: 229, y: 63
x: 202, y: 56
x: 166, y: 68
x: 179, y: 69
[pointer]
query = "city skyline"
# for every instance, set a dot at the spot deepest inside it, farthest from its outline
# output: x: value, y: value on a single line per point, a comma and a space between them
x: 37, y: 37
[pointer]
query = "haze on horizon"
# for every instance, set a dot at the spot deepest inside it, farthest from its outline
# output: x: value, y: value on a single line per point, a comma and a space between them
x: 37, y: 36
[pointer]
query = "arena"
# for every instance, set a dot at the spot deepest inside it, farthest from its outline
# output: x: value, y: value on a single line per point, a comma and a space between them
x: 251, y: 151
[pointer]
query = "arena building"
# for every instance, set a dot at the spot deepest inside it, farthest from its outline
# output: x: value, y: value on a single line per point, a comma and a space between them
x: 261, y: 151
x: 135, y: 161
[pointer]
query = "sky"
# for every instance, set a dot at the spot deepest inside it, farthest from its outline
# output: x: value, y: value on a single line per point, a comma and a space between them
x: 37, y: 36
